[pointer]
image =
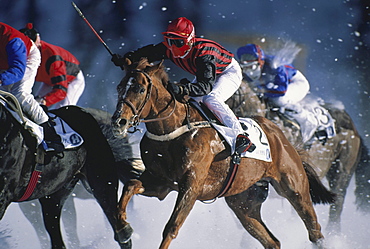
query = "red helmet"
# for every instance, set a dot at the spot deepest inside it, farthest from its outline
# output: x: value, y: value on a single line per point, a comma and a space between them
x: 179, y: 36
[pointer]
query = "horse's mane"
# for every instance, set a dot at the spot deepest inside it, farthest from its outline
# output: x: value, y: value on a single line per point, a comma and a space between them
x: 144, y: 65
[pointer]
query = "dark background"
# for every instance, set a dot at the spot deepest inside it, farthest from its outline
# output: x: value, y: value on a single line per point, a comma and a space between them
x: 334, y: 37
x: 335, y: 57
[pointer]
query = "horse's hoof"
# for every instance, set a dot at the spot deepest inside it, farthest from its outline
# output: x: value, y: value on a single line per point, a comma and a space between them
x: 123, y: 235
x: 127, y: 245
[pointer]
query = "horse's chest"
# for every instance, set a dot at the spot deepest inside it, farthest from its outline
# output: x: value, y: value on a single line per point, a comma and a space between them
x: 162, y: 158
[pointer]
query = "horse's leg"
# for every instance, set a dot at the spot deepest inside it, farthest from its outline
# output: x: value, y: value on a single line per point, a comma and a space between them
x: 295, y: 189
x: 247, y: 207
x: 130, y: 188
x: 51, y: 209
x: 189, y: 188
x: 103, y: 180
x: 339, y: 181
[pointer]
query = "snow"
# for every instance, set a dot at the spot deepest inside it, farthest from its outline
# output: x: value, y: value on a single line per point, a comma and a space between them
x: 208, y: 226
x: 325, y: 29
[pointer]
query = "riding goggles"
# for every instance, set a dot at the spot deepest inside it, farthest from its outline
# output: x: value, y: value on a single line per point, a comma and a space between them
x: 251, y: 69
x: 179, y: 42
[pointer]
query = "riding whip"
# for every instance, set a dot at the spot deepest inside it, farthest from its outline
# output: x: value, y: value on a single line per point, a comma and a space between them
x: 91, y: 27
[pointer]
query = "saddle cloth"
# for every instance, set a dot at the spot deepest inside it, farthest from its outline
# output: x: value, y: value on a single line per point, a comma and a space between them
x: 312, y: 119
x: 70, y: 138
x: 255, y: 134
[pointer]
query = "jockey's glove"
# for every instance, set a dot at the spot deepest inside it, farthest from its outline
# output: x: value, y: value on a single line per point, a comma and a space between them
x: 184, y: 81
x: 118, y: 60
x: 178, y: 90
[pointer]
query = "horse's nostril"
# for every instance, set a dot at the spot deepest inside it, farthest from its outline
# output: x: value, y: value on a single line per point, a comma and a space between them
x: 122, y: 122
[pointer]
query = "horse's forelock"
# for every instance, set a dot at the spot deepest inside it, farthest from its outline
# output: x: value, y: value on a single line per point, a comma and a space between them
x: 142, y: 64
x: 158, y: 69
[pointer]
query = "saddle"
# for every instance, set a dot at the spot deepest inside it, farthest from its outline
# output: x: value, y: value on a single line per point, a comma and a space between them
x: 255, y: 134
x: 313, y: 120
x: 70, y: 138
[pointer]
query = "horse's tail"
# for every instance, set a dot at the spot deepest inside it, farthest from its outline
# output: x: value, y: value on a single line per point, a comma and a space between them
x: 362, y: 176
x: 319, y: 193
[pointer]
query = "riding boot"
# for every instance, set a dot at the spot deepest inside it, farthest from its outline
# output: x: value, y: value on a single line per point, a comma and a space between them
x: 243, y: 144
x: 52, y: 139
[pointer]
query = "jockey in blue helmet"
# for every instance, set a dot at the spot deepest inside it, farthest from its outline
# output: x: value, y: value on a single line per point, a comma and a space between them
x: 281, y: 84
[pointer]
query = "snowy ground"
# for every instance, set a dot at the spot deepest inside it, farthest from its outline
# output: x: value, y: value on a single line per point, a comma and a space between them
x: 208, y: 226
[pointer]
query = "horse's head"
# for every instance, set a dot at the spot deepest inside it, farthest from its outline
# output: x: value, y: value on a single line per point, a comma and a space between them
x: 134, y: 95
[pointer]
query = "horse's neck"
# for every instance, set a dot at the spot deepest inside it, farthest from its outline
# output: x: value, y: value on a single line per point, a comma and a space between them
x: 250, y: 103
x: 182, y: 115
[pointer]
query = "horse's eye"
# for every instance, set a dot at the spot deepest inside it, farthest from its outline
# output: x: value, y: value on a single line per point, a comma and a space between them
x: 138, y: 89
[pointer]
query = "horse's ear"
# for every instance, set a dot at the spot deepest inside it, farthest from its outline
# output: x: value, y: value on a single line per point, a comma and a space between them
x: 156, y: 67
x: 127, y: 63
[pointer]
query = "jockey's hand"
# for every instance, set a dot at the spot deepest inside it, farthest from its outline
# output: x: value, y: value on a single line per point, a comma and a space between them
x: 178, y: 90
x: 118, y: 60
x: 184, y: 81
x: 40, y: 100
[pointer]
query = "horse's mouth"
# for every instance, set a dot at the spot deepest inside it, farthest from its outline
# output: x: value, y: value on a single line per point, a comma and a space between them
x: 119, y: 128
x: 119, y: 132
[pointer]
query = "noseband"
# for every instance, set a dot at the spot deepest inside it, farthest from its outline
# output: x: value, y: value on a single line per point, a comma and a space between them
x: 135, y: 119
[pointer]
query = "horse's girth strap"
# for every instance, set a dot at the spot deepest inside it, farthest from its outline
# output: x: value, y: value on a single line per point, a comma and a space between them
x: 35, y: 177
x: 234, y: 165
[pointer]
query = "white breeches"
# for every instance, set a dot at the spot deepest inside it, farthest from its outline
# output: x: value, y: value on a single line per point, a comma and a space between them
x: 297, y: 90
x: 74, y: 91
x: 225, y: 86
x: 22, y: 89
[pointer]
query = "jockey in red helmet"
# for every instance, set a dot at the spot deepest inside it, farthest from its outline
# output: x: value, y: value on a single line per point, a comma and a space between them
x: 179, y: 37
x: 217, y: 73
x: 62, y: 79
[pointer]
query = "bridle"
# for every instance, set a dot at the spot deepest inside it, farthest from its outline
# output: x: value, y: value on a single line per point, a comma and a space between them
x: 135, y: 119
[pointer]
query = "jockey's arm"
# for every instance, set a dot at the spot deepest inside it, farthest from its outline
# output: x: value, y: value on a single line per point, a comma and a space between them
x: 205, y: 76
x: 17, y: 60
x: 59, y: 80
x: 279, y: 84
x: 151, y: 52
x: 300, y: 79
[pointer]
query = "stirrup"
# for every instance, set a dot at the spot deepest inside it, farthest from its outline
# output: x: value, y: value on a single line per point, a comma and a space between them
x: 322, y: 136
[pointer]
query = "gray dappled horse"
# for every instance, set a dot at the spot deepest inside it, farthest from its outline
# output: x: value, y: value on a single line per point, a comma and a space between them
x: 336, y: 160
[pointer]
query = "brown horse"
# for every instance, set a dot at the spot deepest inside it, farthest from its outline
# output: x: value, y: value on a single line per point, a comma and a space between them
x: 337, y: 160
x: 182, y: 155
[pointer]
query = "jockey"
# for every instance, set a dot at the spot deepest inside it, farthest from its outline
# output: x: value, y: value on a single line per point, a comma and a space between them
x: 60, y: 73
x: 19, y: 60
x: 217, y: 73
x: 282, y: 86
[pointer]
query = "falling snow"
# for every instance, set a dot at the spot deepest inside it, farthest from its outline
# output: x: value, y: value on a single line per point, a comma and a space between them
x: 327, y: 32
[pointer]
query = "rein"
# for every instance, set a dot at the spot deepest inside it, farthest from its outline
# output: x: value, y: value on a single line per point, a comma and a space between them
x: 135, y: 119
x: 37, y: 171
x: 15, y: 106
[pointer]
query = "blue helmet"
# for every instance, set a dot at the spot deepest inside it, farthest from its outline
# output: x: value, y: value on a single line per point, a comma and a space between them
x: 251, y: 59
x: 251, y: 52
